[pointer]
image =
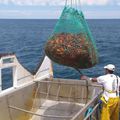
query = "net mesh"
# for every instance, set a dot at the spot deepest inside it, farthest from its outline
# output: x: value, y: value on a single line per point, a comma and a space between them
x: 71, y: 43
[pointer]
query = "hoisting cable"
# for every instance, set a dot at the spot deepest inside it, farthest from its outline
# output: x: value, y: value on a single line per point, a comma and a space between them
x: 79, y: 71
x: 66, y: 3
x: 71, y: 3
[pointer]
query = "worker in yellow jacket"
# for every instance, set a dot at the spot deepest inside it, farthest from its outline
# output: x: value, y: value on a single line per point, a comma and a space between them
x: 110, y: 96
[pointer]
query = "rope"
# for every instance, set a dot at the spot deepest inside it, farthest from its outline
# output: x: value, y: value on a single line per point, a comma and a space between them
x: 87, y: 89
x: 79, y: 2
x: 71, y: 3
x: 66, y: 3
x: 36, y: 92
x: 79, y: 71
x: 117, y: 91
x: 47, y: 116
x: 76, y: 3
x: 89, y: 112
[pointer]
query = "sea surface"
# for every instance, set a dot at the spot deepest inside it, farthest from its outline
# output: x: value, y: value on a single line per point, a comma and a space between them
x: 26, y: 38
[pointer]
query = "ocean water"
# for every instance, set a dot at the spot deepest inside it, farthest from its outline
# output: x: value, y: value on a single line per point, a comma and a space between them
x: 26, y: 38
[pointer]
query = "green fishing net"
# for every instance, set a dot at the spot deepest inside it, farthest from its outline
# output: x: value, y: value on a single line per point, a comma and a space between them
x: 71, y: 43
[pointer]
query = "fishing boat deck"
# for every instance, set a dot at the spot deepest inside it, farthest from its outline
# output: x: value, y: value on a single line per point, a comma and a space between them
x: 56, y: 99
x: 39, y: 96
x: 61, y: 99
x: 57, y: 110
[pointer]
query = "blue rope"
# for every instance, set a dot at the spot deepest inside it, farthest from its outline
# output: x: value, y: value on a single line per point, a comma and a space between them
x: 89, y: 110
x: 100, y: 104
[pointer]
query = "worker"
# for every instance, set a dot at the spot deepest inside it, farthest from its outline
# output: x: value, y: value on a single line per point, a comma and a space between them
x: 110, y: 97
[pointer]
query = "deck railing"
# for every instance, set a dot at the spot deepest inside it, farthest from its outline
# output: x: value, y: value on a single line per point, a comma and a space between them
x: 21, y: 75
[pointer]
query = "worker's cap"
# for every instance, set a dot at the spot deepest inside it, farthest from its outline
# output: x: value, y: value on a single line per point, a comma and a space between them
x: 110, y: 67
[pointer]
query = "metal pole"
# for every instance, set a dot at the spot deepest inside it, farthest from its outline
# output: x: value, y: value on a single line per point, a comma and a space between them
x: 58, y: 91
x: 15, y: 76
x: 10, y: 115
x: 0, y: 80
x: 49, y: 86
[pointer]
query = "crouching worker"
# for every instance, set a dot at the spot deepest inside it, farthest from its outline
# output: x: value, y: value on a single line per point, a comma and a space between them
x: 110, y: 96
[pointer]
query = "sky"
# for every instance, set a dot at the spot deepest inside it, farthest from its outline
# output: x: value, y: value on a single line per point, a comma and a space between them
x: 51, y: 9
